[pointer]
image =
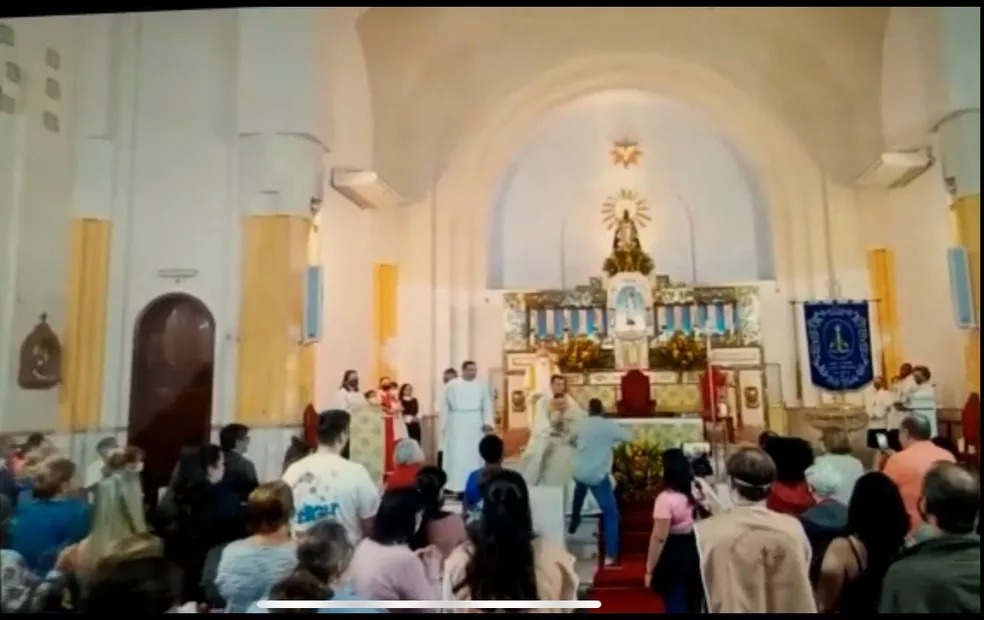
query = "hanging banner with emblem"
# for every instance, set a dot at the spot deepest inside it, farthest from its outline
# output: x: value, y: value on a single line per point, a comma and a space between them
x: 838, y: 341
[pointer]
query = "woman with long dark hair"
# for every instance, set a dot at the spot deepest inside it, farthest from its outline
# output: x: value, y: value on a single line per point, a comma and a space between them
x: 189, y: 511
x: 504, y: 559
x: 384, y: 566
x: 672, y: 564
x: 411, y: 410
x: 440, y: 528
x: 854, y: 566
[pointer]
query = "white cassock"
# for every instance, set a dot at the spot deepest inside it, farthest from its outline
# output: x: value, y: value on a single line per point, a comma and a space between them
x: 348, y: 400
x: 880, y: 407
x: 921, y: 400
x: 465, y: 409
x: 536, y: 382
x: 903, y: 387
x: 548, y: 459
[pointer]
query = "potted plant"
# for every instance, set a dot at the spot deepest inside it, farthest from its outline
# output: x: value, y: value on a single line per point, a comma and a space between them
x: 638, y: 469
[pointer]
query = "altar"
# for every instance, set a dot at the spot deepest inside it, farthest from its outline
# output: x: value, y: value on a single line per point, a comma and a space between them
x: 631, y: 323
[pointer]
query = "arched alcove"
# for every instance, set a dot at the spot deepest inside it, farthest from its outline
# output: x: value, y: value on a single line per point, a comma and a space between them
x: 709, y: 221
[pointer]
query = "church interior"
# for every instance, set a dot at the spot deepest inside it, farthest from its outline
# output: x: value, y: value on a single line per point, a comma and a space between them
x: 208, y: 216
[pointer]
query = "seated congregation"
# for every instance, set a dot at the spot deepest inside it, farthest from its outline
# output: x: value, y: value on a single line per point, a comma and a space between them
x: 788, y: 533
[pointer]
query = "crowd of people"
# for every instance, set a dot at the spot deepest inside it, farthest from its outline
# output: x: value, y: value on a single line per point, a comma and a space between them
x: 801, y: 534
x: 792, y: 533
x: 220, y: 540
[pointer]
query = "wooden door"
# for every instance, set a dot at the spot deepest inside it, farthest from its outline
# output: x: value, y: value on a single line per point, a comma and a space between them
x: 171, y: 384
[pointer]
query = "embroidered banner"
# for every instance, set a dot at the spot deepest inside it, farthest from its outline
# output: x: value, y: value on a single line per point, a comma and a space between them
x: 838, y: 341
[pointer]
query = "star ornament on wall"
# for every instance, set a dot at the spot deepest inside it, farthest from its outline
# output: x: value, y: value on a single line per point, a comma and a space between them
x: 626, y: 153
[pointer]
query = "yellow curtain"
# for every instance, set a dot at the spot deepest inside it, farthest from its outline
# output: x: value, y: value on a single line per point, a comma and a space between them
x: 384, y: 286
x: 881, y: 275
x: 968, y: 217
x: 84, y: 345
x: 272, y: 386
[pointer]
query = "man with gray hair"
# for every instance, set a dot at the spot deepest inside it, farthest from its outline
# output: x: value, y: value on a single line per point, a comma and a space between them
x: 827, y: 519
x: 942, y: 574
x: 408, y: 458
x: 752, y: 559
x: 908, y: 467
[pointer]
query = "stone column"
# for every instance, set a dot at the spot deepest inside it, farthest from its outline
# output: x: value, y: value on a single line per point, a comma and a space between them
x: 283, y: 123
x: 960, y: 151
x: 960, y: 147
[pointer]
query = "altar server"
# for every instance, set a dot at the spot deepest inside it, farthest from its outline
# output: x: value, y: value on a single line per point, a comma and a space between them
x: 466, y: 417
x: 921, y: 400
x: 879, y: 404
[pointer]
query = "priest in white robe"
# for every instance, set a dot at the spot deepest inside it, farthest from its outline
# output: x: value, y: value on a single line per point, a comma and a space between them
x: 548, y: 459
x: 536, y: 381
x: 921, y: 400
x: 466, y: 416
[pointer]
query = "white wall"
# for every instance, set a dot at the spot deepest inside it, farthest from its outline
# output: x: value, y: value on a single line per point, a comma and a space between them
x: 173, y: 183
x: 179, y: 134
x: 915, y: 222
x: 547, y: 229
x: 36, y: 184
x: 352, y: 239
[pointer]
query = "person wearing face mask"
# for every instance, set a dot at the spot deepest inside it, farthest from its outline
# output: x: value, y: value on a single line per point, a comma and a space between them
x: 349, y: 397
x: 411, y: 411
x: 752, y: 559
x: 106, y: 447
x: 192, y: 525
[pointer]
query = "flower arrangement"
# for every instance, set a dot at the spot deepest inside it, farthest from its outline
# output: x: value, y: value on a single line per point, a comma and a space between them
x: 681, y: 352
x: 578, y: 354
x: 620, y: 261
x: 638, y: 469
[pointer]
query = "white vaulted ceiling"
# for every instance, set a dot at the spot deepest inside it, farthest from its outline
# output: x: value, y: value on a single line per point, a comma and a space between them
x: 437, y: 75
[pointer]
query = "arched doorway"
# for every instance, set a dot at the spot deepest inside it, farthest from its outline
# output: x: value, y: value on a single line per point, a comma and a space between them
x: 171, y: 383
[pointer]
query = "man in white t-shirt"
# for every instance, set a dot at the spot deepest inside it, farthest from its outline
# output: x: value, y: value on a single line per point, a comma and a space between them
x: 327, y: 485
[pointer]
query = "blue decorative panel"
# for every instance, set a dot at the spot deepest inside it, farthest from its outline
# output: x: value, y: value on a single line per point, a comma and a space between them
x: 839, y: 345
x: 313, y: 303
x: 961, y: 294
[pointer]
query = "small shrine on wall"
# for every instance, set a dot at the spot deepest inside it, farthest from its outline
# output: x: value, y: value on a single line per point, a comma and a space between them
x: 630, y: 319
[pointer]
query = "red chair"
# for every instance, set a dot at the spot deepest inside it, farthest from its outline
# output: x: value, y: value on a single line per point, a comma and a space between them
x: 970, y: 423
x: 637, y: 400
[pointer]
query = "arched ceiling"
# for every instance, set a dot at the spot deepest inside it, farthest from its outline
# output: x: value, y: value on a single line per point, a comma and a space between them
x: 436, y: 74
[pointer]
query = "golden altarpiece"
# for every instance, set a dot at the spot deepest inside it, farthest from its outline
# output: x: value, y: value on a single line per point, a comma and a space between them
x: 631, y: 318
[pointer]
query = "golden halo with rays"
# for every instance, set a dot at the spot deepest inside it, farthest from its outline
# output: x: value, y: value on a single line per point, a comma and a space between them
x: 625, y: 201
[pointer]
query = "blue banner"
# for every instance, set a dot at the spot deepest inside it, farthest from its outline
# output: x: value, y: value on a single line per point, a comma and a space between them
x: 838, y: 341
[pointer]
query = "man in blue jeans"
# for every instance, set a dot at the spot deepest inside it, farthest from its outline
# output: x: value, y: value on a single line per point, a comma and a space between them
x: 594, y: 438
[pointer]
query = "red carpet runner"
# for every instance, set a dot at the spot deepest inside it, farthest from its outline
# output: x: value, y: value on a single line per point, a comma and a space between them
x: 620, y: 590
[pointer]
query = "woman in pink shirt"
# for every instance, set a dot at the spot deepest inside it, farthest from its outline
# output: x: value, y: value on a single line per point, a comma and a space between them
x: 384, y: 567
x: 672, y: 565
